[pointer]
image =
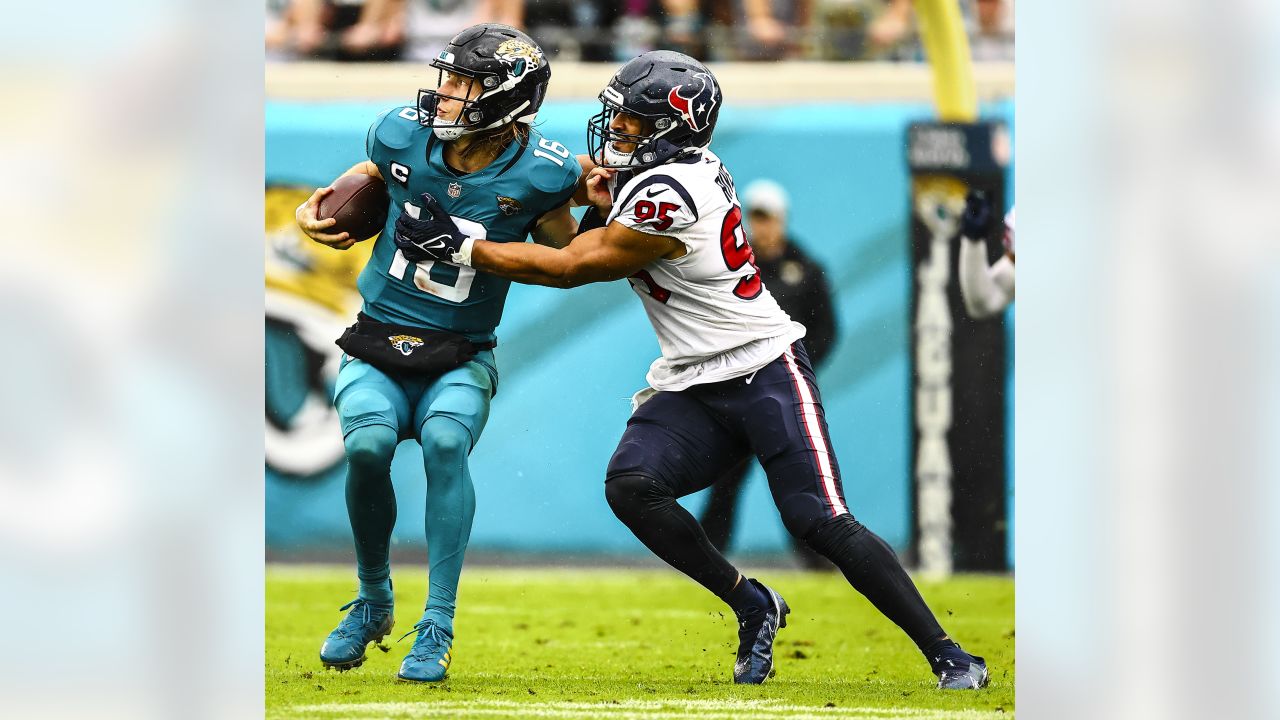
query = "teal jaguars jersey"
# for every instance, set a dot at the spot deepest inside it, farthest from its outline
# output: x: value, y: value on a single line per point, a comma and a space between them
x: 501, y: 202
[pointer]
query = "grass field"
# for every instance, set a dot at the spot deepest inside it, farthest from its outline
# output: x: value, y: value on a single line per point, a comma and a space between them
x: 581, y: 643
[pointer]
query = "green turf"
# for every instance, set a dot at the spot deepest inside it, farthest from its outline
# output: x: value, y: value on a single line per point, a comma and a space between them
x: 631, y: 643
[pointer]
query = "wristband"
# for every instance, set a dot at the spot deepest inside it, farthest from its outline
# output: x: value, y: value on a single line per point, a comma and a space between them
x: 463, y: 254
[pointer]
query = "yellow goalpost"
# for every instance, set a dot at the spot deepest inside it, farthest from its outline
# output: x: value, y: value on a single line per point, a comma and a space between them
x: 947, y: 48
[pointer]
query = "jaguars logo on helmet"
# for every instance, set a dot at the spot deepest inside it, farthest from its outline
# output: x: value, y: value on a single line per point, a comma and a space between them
x: 520, y: 56
x: 406, y: 344
x: 510, y: 70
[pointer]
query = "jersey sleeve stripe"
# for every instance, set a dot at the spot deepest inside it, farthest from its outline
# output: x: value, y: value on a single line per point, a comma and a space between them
x: 665, y: 180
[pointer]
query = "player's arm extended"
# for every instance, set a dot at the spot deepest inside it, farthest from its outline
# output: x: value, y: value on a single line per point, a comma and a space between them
x: 600, y: 255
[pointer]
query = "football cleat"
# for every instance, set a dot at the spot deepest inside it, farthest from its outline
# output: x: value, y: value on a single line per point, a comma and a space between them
x: 958, y: 670
x: 367, y: 622
x: 756, y: 632
x: 432, y: 652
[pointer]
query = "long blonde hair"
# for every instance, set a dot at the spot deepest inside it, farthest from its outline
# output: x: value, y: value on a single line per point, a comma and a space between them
x: 496, y: 140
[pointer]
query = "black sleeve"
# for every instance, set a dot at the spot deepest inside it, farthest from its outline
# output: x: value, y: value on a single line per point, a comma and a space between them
x: 591, y: 220
x: 821, y: 315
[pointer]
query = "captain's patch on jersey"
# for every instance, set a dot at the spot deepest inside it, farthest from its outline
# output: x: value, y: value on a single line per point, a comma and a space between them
x: 400, y: 173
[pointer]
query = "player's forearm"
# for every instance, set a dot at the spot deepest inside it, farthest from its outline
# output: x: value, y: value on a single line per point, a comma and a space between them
x: 364, y: 167
x: 986, y: 289
x: 556, y: 229
x: 528, y: 263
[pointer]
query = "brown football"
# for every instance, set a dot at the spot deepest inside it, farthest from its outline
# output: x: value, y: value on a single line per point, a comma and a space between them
x: 359, y: 203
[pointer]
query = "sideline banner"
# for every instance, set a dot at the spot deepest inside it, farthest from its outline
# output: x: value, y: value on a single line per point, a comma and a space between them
x: 310, y: 298
x: 958, y: 365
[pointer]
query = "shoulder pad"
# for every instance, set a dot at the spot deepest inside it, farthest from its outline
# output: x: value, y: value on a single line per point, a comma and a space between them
x: 657, y: 180
x: 680, y: 171
x: 396, y: 127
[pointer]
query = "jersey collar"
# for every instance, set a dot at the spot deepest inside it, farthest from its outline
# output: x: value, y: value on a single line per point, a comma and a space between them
x: 505, y: 160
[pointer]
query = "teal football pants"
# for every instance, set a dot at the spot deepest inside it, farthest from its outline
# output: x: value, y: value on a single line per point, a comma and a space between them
x: 446, y: 416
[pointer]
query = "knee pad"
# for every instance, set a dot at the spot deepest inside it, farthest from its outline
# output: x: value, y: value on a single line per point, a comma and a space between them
x: 832, y: 534
x: 362, y: 407
x: 371, y: 447
x: 444, y: 440
x: 802, y: 513
x: 630, y: 495
x: 631, y: 455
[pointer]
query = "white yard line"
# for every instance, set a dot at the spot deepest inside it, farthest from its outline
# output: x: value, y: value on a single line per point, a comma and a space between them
x: 626, y: 709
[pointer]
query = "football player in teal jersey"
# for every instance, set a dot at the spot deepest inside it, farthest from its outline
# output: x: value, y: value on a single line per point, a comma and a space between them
x: 468, y: 143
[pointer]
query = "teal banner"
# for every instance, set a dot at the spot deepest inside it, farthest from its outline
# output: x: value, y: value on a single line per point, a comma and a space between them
x: 570, y: 360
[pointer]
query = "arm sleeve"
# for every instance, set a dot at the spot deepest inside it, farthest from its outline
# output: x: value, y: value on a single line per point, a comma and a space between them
x: 986, y: 289
x: 591, y: 220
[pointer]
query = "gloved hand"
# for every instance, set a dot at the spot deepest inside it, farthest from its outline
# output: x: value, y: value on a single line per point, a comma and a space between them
x: 427, y: 232
x: 975, y: 224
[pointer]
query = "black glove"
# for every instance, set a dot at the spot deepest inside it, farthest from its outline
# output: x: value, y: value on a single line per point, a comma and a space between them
x: 430, y: 236
x: 975, y: 224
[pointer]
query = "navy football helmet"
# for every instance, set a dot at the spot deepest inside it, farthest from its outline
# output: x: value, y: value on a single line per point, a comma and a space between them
x: 677, y: 96
x: 512, y: 72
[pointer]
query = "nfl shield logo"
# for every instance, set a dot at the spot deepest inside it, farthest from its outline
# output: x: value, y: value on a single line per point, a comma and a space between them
x: 454, y: 189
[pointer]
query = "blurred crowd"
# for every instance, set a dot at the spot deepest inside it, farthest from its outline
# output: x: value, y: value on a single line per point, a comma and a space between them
x: 600, y: 31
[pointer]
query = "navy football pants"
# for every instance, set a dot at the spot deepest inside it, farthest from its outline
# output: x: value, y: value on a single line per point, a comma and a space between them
x: 678, y: 443
x: 688, y: 439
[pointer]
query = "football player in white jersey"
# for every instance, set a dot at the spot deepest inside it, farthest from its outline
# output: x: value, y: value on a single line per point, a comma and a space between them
x: 734, y: 378
x: 986, y: 288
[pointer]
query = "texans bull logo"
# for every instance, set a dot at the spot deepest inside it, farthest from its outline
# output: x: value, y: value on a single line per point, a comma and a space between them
x: 696, y: 106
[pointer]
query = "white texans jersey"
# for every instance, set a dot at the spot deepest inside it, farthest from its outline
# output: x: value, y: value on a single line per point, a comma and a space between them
x: 714, y: 318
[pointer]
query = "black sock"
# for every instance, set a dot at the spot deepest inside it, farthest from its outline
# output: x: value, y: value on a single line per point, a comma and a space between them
x: 745, y: 598
x: 872, y: 568
x: 941, y: 647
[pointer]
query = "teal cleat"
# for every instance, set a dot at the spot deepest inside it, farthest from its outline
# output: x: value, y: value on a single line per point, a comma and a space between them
x: 432, y: 652
x: 345, y: 647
